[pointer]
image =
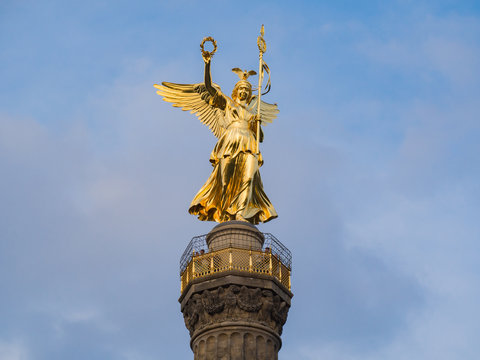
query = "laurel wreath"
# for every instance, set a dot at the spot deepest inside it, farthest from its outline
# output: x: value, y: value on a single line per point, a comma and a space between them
x: 205, y: 52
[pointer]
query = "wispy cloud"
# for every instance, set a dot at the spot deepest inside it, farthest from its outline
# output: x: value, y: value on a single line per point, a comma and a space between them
x: 13, y: 350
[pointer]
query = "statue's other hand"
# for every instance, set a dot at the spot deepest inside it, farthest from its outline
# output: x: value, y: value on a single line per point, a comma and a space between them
x: 207, y: 57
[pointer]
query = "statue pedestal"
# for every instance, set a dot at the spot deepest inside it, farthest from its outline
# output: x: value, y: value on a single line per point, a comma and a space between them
x: 235, y: 234
x: 235, y: 302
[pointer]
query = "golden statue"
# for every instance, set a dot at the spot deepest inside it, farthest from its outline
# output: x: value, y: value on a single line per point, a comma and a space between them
x: 234, y: 190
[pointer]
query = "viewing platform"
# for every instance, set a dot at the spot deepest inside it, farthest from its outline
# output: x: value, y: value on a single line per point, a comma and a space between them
x: 234, y: 251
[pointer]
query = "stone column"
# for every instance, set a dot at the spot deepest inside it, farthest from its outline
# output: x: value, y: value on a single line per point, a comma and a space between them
x: 235, y: 315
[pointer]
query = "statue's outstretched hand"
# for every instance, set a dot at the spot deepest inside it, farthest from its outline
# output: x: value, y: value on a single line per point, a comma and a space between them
x: 207, y: 57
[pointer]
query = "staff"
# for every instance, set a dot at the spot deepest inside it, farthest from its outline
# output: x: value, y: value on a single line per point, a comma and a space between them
x: 262, y: 47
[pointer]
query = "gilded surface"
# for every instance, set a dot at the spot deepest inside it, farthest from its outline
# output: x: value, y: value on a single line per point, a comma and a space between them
x: 232, y: 259
x: 234, y: 190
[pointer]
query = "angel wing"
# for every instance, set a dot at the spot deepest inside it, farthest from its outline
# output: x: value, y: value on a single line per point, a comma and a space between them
x: 268, y: 112
x: 196, y: 99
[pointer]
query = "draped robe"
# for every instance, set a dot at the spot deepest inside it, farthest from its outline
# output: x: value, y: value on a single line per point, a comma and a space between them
x: 234, y: 186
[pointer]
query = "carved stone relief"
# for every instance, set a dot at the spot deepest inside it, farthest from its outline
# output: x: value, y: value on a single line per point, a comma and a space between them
x: 235, y: 303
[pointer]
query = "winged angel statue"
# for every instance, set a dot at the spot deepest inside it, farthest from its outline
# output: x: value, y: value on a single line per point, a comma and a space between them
x: 234, y: 190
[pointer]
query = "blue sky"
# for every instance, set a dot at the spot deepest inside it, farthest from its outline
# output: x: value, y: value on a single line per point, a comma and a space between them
x: 372, y: 166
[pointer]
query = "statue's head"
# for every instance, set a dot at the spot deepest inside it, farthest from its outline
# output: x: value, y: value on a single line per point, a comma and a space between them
x: 243, y: 89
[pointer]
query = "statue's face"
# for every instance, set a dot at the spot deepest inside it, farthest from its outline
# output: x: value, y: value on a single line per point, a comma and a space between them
x: 243, y: 92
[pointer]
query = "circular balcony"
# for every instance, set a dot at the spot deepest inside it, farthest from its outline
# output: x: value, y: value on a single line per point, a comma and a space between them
x: 234, y: 252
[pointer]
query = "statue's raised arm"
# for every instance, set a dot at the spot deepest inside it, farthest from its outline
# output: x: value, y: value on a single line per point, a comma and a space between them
x: 234, y: 190
x: 204, y: 100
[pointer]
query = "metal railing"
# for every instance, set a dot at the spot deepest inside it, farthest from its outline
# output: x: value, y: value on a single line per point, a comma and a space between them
x: 274, y: 259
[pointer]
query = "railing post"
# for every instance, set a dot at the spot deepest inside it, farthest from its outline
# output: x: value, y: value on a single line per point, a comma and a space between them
x: 230, y: 259
x: 193, y: 268
x: 270, y: 266
x: 280, y: 271
x: 250, y: 263
x: 211, y: 264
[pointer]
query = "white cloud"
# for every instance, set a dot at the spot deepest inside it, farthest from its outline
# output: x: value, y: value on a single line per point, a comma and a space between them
x: 438, y: 44
x: 13, y: 350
